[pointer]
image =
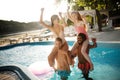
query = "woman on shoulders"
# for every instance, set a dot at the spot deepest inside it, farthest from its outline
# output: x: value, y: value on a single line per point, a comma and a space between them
x: 80, y: 27
x: 56, y: 27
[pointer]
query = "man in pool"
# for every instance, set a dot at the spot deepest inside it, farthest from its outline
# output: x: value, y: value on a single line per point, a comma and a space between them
x: 83, y: 64
x: 62, y: 58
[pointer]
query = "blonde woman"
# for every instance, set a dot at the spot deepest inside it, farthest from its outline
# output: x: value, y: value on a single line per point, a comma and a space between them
x: 56, y: 28
x: 80, y: 27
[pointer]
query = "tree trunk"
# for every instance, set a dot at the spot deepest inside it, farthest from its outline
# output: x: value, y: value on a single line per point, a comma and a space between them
x: 99, y: 21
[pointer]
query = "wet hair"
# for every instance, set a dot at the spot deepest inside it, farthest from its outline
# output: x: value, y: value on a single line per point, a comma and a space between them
x: 53, y: 17
x: 83, y: 36
x: 58, y: 39
x: 78, y: 15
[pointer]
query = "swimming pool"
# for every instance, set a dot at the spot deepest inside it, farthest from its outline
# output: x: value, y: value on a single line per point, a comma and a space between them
x: 105, y: 57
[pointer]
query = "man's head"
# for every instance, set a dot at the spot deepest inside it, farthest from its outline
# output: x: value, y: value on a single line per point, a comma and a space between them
x: 81, y: 38
x: 58, y: 42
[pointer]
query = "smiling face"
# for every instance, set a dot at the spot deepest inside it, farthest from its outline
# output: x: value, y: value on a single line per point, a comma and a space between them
x: 81, y: 38
x: 74, y: 15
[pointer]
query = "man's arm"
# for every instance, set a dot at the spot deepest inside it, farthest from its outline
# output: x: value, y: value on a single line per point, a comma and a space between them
x: 94, y: 43
x: 69, y: 58
x: 51, y: 57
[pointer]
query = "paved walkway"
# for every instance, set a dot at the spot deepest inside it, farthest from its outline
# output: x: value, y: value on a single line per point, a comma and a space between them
x: 106, y: 35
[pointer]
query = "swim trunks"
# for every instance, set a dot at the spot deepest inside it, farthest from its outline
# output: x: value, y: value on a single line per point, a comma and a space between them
x: 84, y: 67
x: 63, y: 73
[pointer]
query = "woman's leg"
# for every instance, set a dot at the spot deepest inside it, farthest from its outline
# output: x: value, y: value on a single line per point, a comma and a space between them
x: 85, y: 54
x: 65, y: 46
x: 75, y: 45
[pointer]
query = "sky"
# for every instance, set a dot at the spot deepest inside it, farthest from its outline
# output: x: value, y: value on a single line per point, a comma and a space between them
x: 29, y: 10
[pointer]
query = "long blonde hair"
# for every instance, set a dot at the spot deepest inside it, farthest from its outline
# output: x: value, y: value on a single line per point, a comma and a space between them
x: 80, y: 18
x: 78, y: 15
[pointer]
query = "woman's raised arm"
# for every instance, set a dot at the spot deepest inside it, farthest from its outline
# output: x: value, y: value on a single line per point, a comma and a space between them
x: 42, y: 22
x: 63, y: 20
x: 68, y: 14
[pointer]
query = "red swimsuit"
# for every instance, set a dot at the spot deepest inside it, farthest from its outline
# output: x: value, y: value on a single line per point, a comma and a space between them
x: 81, y: 29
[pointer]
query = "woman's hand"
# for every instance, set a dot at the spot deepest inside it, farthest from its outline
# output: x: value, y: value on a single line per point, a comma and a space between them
x: 68, y: 8
x: 60, y: 14
x: 42, y: 9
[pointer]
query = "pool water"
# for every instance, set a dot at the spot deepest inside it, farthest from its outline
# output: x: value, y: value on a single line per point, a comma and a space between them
x: 105, y: 58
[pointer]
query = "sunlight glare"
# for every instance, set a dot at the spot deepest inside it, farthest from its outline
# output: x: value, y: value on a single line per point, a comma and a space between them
x: 29, y: 10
